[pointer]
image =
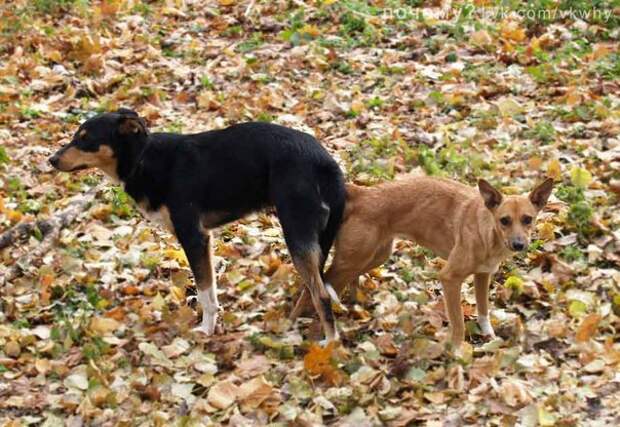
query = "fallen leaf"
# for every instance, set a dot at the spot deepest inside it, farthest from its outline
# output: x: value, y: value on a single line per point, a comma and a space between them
x: 222, y: 394
x: 103, y: 325
x: 253, y: 393
x: 587, y: 328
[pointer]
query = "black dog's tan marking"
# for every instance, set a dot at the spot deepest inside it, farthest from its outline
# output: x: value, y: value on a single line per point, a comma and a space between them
x: 197, y: 182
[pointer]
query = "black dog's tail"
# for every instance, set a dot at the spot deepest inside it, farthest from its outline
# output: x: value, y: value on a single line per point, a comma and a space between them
x: 333, y: 195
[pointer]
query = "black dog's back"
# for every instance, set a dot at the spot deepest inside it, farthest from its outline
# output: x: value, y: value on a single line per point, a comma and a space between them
x: 243, y: 168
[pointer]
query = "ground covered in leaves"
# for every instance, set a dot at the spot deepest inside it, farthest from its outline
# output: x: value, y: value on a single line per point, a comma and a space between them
x: 94, y: 324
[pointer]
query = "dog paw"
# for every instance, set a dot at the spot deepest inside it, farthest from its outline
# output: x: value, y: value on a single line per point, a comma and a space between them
x: 462, y: 352
x: 203, y: 329
x: 325, y: 342
x: 485, y: 327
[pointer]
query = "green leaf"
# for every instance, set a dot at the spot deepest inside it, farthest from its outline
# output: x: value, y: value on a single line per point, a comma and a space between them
x: 580, y: 177
x: 577, y: 308
x: 515, y: 283
x: 415, y: 374
x: 4, y: 157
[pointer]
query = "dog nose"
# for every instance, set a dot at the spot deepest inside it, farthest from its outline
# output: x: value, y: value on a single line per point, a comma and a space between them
x: 54, y: 161
x: 518, y: 245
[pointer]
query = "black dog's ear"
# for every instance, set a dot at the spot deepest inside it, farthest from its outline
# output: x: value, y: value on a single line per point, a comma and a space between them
x: 126, y: 112
x: 492, y: 197
x: 131, y: 124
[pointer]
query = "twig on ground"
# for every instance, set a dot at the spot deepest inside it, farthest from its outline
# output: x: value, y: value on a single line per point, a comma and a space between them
x: 50, y: 229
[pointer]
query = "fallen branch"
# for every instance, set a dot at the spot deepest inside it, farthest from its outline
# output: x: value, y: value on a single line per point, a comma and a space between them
x: 23, y: 230
x: 50, y: 230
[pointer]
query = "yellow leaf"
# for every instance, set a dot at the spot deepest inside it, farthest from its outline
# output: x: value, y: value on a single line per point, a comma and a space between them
x: 178, y: 294
x: 177, y: 255
x: 580, y: 177
x: 508, y: 107
x: 103, y: 325
x: 515, y: 283
x: 512, y: 31
x: 577, y: 308
x: 554, y: 170
x: 481, y: 38
x: 226, y: 2
x: 311, y: 30
x: 587, y: 328
x: 158, y: 302
x: 546, y: 231
x: 535, y: 44
x: 14, y: 216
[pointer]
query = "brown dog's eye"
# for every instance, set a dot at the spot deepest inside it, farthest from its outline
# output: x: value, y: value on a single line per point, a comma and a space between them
x: 527, y: 220
x: 505, y: 221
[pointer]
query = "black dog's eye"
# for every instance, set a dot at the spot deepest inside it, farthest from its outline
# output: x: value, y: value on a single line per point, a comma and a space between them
x: 527, y: 220
x: 87, y: 145
x: 505, y: 221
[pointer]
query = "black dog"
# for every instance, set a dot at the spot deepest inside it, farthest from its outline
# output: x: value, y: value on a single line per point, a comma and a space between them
x: 200, y: 181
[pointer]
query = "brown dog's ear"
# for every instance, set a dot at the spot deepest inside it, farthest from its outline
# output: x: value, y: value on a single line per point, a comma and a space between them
x: 131, y: 125
x: 541, y: 193
x: 492, y: 198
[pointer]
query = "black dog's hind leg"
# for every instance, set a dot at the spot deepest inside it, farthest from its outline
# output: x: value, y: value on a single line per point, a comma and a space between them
x: 197, y: 246
x: 300, y: 215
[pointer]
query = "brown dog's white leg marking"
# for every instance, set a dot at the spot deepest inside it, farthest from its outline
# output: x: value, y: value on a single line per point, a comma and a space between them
x: 207, y: 291
x: 481, y: 286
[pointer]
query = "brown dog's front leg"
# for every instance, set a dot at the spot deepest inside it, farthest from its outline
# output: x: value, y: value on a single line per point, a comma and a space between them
x: 452, y: 299
x: 481, y: 286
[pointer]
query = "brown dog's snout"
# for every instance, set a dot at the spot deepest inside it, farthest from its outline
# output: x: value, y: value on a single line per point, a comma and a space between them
x: 518, y: 243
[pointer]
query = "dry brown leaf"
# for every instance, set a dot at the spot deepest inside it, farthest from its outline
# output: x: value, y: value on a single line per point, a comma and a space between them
x: 587, y: 328
x: 222, y: 394
x: 253, y: 393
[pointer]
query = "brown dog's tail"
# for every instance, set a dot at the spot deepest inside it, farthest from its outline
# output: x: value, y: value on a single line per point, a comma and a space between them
x: 353, y: 193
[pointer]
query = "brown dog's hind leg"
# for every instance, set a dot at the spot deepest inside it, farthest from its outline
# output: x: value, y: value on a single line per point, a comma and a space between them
x: 354, y: 252
x: 308, y: 265
x: 481, y: 286
x: 382, y: 254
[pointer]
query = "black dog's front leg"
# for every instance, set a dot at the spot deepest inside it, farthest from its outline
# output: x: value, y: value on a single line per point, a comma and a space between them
x: 197, y: 246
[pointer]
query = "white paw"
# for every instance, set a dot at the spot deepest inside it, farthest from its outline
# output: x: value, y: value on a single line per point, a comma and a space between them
x: 485, y: 326
x: 332, y: 293
x: 207, y: 326
x: 326, y: 341
x: 204, y: 330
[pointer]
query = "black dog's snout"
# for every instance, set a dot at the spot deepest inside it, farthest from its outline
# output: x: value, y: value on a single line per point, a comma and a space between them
x: 54, y: 160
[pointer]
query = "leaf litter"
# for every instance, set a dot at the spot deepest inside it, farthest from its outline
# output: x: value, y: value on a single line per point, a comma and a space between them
x: 95, y: 328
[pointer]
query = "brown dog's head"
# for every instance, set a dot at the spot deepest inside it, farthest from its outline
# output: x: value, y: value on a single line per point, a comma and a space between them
x: 515, y: 215
x: 101, y: 141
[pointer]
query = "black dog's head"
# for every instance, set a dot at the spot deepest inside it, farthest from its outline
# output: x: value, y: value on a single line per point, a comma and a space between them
x: 101, y: 141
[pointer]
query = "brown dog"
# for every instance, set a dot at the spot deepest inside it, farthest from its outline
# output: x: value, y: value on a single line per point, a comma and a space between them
x: 473, y: 230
